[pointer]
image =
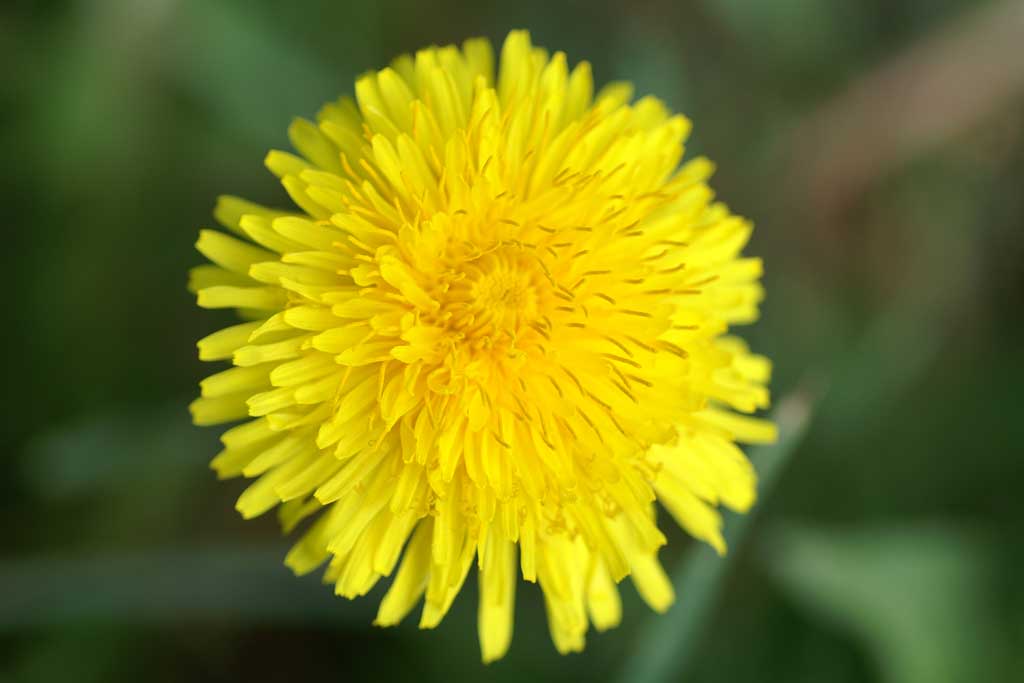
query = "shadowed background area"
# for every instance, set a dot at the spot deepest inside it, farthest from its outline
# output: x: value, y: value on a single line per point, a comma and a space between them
x: 878, y: 147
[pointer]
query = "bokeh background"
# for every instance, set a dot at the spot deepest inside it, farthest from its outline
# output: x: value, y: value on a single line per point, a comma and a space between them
x: 878, y: 146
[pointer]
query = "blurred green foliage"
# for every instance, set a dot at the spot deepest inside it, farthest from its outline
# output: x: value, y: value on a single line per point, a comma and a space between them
x: 890, y: 548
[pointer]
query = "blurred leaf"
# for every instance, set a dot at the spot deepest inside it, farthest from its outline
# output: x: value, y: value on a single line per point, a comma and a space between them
x: 653, y: 63
x: 248, y: 72
x: 916, y: 597
x: 95, y: 651
x: 799, y: 35
x: 666, y: 643
x: 166, y: 586
x: 100, y: 452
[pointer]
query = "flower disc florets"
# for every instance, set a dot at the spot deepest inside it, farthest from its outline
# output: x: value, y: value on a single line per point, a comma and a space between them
x: 493, y: 329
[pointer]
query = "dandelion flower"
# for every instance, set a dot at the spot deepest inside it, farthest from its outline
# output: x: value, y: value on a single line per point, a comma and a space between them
x: 492, y: 332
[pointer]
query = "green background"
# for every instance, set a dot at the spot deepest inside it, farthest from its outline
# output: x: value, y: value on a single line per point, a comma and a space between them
x: 878, y: 147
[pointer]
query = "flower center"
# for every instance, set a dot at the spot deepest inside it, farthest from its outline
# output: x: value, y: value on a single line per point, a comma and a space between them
x: 506, y: 295
x: 498, y: 295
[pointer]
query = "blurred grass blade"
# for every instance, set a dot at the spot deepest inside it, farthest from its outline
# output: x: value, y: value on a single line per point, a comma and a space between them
x: 665, y: 644
x: 166, y: 587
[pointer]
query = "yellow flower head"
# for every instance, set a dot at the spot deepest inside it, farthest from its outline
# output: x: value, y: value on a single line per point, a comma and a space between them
x: 491, y: 330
